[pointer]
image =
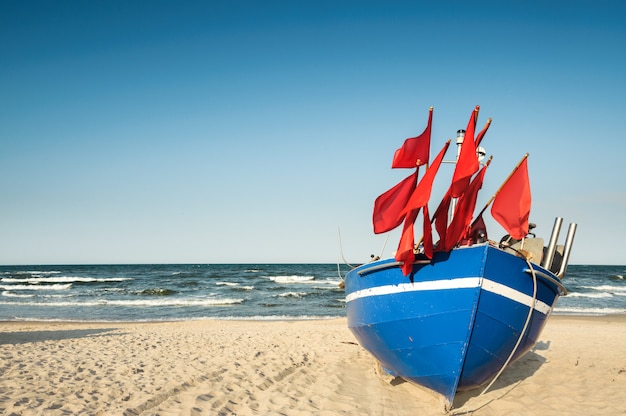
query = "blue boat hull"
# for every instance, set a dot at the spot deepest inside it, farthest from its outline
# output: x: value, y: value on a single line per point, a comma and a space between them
x: 454, y: 322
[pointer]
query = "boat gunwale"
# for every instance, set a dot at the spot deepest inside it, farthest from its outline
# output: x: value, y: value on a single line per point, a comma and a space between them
x: 533, y: 268
x: 484, y: 283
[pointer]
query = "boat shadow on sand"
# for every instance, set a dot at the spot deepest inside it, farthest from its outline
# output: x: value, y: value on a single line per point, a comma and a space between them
x: 511, y: 377
x: 23, y: 337
x: 515, y: 373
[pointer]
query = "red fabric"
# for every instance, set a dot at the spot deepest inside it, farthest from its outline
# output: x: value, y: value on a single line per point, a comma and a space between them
x: 464, y: 211
x: 415, y: 151
x: 477, y: 224
x: 511, y: 207
x: 479, y: 137
x: 428, y: 234
x: 419, y: 199
x: 467, y: 163
x: 405, y: 252
x: 388, y: 207
x: 441, y: 220
x: 422, y: 192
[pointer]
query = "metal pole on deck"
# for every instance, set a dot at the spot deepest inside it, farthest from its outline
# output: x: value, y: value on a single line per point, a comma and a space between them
x: 460, y: 135
x: 480, y: 154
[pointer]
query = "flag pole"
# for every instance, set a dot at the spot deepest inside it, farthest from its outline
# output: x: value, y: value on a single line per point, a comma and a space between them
x: 460, y: 138
x: 501, y: 186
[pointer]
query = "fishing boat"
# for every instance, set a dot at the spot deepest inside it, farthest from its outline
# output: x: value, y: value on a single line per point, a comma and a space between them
x: 451, y: 315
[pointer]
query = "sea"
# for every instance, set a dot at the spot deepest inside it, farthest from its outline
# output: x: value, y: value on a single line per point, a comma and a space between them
x: 179, y: 292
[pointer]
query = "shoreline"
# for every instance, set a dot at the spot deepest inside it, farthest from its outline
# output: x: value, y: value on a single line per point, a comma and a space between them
x: 255, y: 367
x: 592, y: 316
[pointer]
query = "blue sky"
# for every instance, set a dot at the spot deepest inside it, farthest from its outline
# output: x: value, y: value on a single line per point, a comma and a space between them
x: 236, y: 131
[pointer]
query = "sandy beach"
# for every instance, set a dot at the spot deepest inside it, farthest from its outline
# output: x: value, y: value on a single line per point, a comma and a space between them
x: 286, y: 368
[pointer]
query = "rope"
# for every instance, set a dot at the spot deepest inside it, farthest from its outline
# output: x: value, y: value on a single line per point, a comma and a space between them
x: 339, y: 272
x: 341, y: 250
x: 383, y: 249
x: 519, y: 340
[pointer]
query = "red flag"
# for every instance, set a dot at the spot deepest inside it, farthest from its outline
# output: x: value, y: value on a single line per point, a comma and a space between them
x: 388, y: 207
x: 415, y: 151
x: 479, y: 137
x: 478, y: 226
x: 405, y: 252
x: 428, y: 234
x: 467, y: 163
x: 511, y: 206
x: 464, y: 211
x: 421, y: 194
x: 441, y: 220
x: 419, y: 199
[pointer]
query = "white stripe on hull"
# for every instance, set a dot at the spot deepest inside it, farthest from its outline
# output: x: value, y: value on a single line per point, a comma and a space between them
x: 515, y: 295
x: 460, y: 283
x: 451, y: 284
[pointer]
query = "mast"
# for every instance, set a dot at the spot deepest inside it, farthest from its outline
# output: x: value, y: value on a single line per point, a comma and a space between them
x: 480, y: 154
x: 460, y: 135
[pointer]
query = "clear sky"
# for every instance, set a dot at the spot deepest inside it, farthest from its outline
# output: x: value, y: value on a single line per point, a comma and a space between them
x: 250, y: 131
